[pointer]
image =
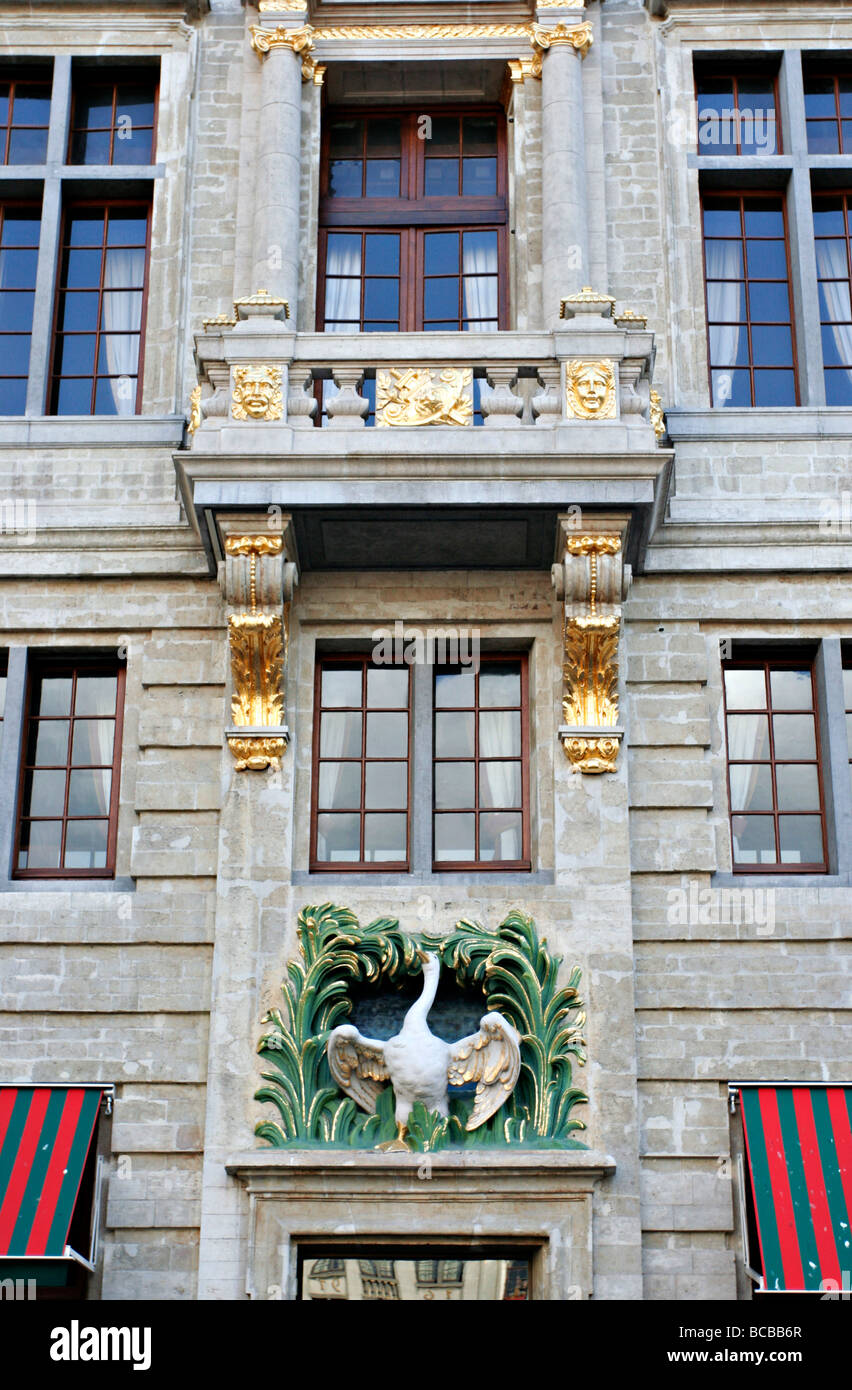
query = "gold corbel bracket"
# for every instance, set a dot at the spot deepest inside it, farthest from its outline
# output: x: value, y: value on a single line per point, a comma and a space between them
x: 258, y: 648
x: 591, y: 582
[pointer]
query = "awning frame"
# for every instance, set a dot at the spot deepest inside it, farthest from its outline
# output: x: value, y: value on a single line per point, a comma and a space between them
x: 744, y: 1177
x: 107, y: 1102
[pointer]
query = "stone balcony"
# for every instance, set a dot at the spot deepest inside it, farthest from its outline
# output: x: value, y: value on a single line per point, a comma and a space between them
x: 319, y: 423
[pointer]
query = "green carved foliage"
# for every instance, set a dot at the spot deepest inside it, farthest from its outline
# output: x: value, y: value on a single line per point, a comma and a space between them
x: 518, y: 979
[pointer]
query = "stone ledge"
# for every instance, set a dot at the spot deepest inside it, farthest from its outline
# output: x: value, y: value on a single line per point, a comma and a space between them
x: 280, y: 1170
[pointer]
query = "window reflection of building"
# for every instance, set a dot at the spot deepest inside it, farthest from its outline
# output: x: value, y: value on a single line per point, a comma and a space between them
x: 326, y: 1279
x: 378, y: 1279
x: 517, y: 1286
x: 413, y: 1280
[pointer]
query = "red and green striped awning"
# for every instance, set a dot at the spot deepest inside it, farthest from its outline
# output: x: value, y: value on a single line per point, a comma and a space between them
x: 45, y: 1133
x: 799, y: 1145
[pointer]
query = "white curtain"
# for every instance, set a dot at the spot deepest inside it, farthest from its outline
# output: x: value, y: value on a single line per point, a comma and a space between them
x: 125, y: 266
x: 342, y: 297
x: 834, y: 274
x: 93, y: 742
x: 479, y: 266
x: 723, y: 303
x: 496, y: 730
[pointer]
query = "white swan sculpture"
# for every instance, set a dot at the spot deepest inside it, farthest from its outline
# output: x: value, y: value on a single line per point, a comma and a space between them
x: 421, y: 1066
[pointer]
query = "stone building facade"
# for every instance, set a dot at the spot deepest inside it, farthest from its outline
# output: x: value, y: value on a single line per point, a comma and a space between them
x: 247, y: 469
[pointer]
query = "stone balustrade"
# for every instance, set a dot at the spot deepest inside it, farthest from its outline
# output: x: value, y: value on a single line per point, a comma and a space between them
x: 590, y: 373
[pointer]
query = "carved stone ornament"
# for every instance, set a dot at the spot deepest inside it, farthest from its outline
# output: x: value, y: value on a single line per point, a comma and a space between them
x: 261, y: 305
x: 218, y: 321
x: 299, y: 40
x: 254, y: 569
x: 194, y: 410
x: 627, y: 319
x: 591, y: 581
x: 258, y: 394
x: 579, y: 36
x: 586, y: 301
x: 316, y: 1064
x: 590, y: 389
x: 410, y: 396
x: 656, y: 415
x: 519, y: 69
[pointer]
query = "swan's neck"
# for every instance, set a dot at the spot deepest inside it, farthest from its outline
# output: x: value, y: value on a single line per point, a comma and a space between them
x: 417, y: 1013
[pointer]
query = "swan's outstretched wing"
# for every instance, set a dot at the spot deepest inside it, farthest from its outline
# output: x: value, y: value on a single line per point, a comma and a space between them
x: 357, y: 1065
x: 491, y: 1058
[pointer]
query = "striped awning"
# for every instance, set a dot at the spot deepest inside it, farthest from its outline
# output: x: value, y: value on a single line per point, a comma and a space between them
x: 45, y: 1133
x: 799, y: 1146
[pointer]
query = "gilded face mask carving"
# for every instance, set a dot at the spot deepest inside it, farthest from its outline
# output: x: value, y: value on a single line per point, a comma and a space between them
x: 591, y: 390
x: 257, y: 393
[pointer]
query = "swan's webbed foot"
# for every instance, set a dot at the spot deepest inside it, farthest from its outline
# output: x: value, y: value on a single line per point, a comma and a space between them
x: 397, y: 1145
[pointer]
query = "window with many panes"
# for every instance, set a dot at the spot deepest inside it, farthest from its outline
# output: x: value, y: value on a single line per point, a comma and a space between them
x: 413, y: 222
x: 3, y: 670
x: 749, y: 318
x: 473, y: 752
x: 24, y: 115
x: 113, y: 120
x: 68, y: 808
x: 100, y: 307
x: 737, y: 111
x: 774, y: 778
x: 20, y: 225
x: 834, y: 275
x: 828, y: 108
x: 362, y: 752
x: 847, y: 701
x: 91, y: 363
x: 480, y: 765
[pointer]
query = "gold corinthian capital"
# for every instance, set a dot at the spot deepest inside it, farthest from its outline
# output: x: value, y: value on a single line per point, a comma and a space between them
x: 579, y: 36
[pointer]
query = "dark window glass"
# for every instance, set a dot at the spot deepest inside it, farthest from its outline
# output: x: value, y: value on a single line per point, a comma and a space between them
x: 361, y: 765
x: 828, y: 112
x: 24, y: 118
x: 847, y: 701
x: 113, y: 121
x: 834, y: 274
x: 3, y: 666
x: 749, y: 321
x: 20, y: 226
x: 71, y: 762
x: 100, y: 310
x: 737, y: 113
x: 774, y: 781
x: 414, y: 214
x: 480, y: 765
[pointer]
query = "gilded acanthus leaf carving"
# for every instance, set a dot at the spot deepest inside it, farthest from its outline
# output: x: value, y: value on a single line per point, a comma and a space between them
x: 590, y: 671
x: 257, y: 665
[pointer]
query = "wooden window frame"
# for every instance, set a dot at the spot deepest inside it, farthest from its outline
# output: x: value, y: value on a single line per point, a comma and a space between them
x: 771, y: 663
x: 845, y: 195
x: 317, y: 865
x: 737, y: 72
x: 412, y: 214
x: 4, y: 672
x: 846, y: 662
x: 108, y: 205
x: 823, y: 69
x: 19, y: 77
x: 475, y: 865
x: 113, y: 79
x: 742, y: 194
x: 61, y: 667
